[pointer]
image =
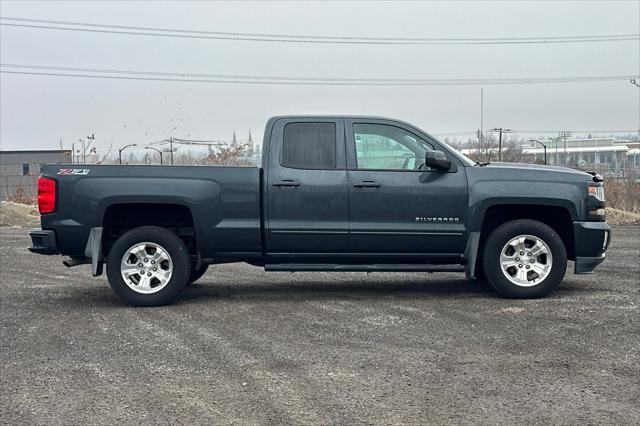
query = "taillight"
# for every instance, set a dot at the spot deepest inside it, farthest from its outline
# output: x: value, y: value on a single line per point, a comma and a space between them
x: 46, y: 195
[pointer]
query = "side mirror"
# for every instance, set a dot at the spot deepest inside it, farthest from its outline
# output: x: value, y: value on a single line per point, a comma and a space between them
x: 437, y: 160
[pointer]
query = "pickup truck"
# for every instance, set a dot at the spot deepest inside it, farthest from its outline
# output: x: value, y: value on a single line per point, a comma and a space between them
x: 334, y: 193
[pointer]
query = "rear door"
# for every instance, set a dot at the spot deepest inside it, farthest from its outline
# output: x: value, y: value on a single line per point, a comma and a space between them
x: 307, y: 197
x: 396, y: 204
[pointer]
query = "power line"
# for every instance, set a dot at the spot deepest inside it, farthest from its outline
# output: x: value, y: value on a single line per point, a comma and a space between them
x: 278, y: 78
x: 291, y: 38
x: 285, y: 80
x: 189, y: 142
x: 241, y: 80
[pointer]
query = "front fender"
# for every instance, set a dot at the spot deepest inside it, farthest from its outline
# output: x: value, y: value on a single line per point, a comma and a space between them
x: 486, y: 194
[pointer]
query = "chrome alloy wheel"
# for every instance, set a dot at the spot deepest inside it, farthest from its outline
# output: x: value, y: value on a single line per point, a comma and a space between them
x: 146, y: 267
x: 526, y: 260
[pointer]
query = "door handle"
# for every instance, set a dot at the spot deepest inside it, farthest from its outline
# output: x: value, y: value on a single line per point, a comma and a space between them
x: 286, y: 182
x: 367, y: 184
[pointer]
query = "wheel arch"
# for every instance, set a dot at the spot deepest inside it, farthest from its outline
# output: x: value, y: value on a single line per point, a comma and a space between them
x: 558, y: 217
x: 118, y: 218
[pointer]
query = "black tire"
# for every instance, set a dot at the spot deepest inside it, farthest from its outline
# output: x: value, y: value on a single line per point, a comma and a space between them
x: 181, y: 265
x: 505, y: 233
x: 196, y: 274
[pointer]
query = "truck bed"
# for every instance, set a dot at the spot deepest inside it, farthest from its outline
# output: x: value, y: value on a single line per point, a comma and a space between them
x: 224, y: 202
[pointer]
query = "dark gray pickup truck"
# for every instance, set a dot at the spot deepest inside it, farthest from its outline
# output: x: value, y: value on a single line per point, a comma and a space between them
x: 333, y: 194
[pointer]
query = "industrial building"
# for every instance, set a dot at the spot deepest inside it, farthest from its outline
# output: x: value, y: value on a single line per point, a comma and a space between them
x: 603, y: 154
x: 19, y: 170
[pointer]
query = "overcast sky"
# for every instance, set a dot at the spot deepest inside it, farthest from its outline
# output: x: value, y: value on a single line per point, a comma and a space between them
x: 37, y: 111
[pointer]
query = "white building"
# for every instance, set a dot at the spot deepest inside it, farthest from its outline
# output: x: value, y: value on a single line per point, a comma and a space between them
x: 600, y: 154
x: 603, y: 154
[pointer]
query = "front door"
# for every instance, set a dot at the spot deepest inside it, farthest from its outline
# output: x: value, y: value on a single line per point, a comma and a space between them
x: 306, y: 181
x: 396, y: 204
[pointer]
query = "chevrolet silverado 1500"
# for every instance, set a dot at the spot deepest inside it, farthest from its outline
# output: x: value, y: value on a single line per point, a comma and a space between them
x: 333, y: 194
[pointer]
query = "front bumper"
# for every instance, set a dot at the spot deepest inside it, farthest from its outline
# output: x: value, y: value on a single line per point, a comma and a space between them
x: 43, y: 242
x: 591, y: 241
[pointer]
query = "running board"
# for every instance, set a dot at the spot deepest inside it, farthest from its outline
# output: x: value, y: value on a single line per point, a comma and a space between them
x: 334, y: 267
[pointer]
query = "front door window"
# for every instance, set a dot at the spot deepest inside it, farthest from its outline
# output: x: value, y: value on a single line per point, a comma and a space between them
x: 385, y: 147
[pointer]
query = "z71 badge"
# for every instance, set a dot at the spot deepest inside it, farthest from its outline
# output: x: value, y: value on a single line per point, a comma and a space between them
x: 66, y: 172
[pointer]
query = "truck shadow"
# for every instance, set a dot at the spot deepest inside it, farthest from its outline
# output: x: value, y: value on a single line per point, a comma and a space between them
x: 282, y: 291
x: 356, y: 289
x: 340, y: 290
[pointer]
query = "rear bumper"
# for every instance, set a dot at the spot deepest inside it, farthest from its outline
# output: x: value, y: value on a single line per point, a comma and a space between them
x: 591, y: 241
x: 43, y: 242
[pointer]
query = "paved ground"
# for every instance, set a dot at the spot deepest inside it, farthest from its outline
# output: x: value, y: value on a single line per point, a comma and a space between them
x: 244, y: 346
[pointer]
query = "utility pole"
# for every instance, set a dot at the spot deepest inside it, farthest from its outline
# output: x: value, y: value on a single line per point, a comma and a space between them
x: 500, y: 145
x: 481, y: 110
x: 171, y: 149
x: 563, y: 135
x: 500, y: 131
x: 635, y: 83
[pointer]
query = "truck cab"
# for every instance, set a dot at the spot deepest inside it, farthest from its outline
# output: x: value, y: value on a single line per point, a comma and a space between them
x: 361, y: 189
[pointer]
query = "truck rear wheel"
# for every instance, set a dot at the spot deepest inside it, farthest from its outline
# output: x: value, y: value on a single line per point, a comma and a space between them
x: 148, y: 266
x: 524, y: 259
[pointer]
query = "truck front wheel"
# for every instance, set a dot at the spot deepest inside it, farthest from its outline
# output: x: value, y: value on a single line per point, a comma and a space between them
x: 524, y: 259
x: 148, y: 266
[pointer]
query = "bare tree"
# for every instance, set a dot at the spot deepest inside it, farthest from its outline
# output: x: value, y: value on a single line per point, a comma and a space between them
x: 232, y: 155
x: 484, y: 149
x: 104, y: 157
x: 512, y: 152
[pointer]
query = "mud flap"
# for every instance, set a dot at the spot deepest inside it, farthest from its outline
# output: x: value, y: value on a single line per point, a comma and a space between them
x: 93, y: 250
x: 471, y: 254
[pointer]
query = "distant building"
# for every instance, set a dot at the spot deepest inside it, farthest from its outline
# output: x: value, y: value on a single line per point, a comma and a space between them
x: 605, y: 154
x: 19, y: 170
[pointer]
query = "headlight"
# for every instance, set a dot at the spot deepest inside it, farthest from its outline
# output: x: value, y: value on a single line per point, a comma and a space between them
x: 595, y: 203
x: 597, y: 192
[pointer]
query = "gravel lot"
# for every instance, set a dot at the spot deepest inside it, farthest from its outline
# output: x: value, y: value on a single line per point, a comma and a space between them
x: 243, y: 346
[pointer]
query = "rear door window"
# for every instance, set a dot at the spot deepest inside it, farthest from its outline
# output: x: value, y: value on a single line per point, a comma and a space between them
x: 309, y: 146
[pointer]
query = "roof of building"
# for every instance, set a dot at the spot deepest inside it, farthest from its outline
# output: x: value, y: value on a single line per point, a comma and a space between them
x: 37, y: 151
x: 570, y: 150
